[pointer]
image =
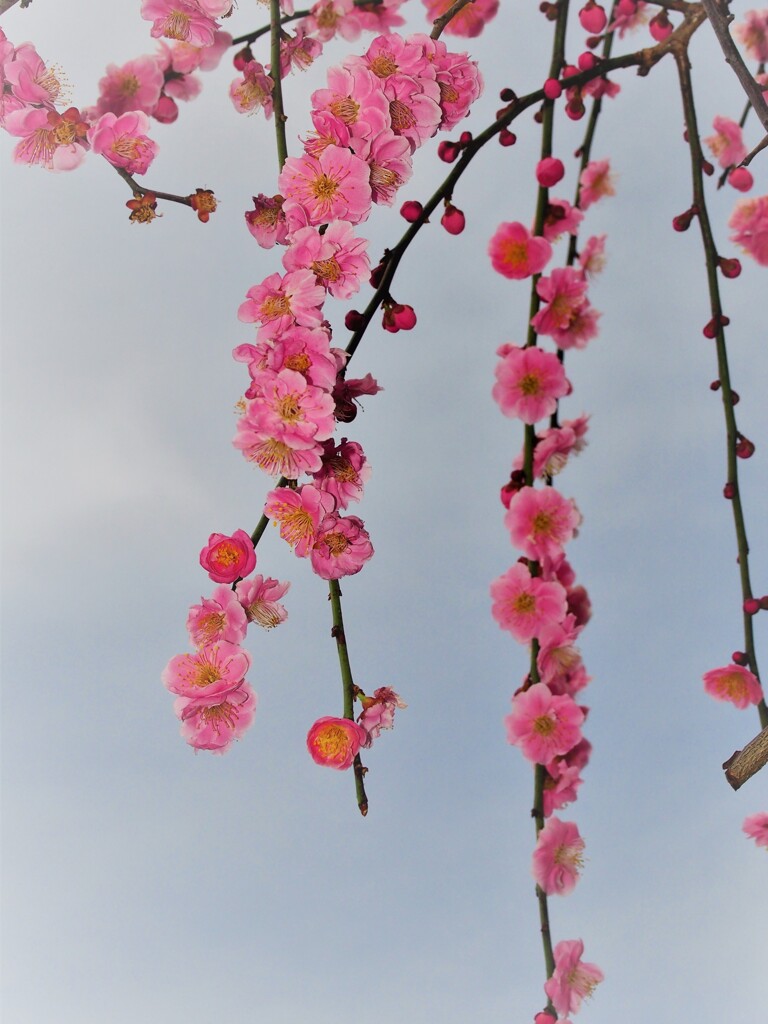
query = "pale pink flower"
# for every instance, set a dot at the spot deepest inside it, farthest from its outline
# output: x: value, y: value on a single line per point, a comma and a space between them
x: 185, y: 58
x: 344, y: 471
x: 299, y: 513
x: 516, y: 253
x: 266, y: 221
x: 184, y: 88
x: 392, y: 54
x: 595, y: 182
x: 592, y: 256
x: 30, y: 80
x: 561, y: 782
x: 329, y: 130
x: 564, y: 292
x: 134, y: 86
x: 333, y: 186
x: 123, y: 141
x: 749, y: 227
x: 558, y: 857
x: 558, y: 654
x: 389, y: 161
x: 414, y: 107
x: 380, y: 17
x: 470, y: 21
x: 541, y: 521
x: 342, y: 546
x: 252, y: 90
x: 560, y: 218
x: 542, y: 724
x: 379, y: 711
x: 307, y: 351
x: 328, y: 17
x: 179, y: 19
x: 727, y: 144
x: 573, y: 980
x: 298, y: 51
x: 579, y: 426
x: 335, y: 742
x: 219, y: 617
x: 280, y: 302
x: 215, y: 723
x: 227, y: 558
x: 628, y: 15
x: 753, y: 34
x: 582, y: 328
x: 756, y: 827
x: 210, y: 672
x: 529, y: 382
x: 215, y: 8
x: 735, y: 684
x: 55, y: 141
x: 260, y: 600
x: 526, y: 605
x: 553, y: 448
x: 337, y: 258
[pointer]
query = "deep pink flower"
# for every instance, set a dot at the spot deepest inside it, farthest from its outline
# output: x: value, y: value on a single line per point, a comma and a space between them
x: 219, y: 617
x: 341, y: 547
x: 526, y: 605
x: 123, y: 141
x: 628, y: 15
x: 560, y: 218
x: 344, y: 471
x: 756, y: 827
x: 558, y: 857
x: 516, y: 253
x: 282, y: 301
x: 459, y: 81
x: 564, y: 292
x: 542, y: 724
x: 55, y: 141
x: 558, y: 654
x: 278, y: 456
x: 337, y: 258
x: 333, y: 186
x: 735, y: 684
x: 741, y: 179
x: 593, y: 18
x: 414, y: 108
x: 215, y: 723
x: 335, y: 742
x: 389, y: 160
x: 726, y: 145
x: 595, y: 182
x: 260, y: 600
x: 572, y: 980
x: 549, y: 171
x: 253, y: 90
x: 354, y: 96
x: 227, y: 558
x: 379, y: 711
x: 749, y: 227
x: 541, y: 521
x: 560, y: 784
x: 298, y: 51
x: 289, y: 408
x: 299, y: 513
x: 266, y: 221
x: 210, y: 672
x: 529, y: 382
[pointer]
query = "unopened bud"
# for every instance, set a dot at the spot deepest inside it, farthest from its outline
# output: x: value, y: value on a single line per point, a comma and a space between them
x: 729, y: 267
x: 411, y: 210
x: 729, y: 490
x: 751, y: 606
x: 507, y: 138
x: 447, y: 151
x: 453, y: 220
x: 739, y: 658
x: 552, y: 89
x: 745, y: 448
x: 353, y: 321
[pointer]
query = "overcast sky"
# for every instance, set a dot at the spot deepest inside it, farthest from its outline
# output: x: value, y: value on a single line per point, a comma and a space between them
x: 144, y: 883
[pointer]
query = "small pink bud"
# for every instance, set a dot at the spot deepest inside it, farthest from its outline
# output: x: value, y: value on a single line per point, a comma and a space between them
x: 710, y: 331
x: 447, y: 151
x: 729, y: 267
x: 729, y: 490
x: 715, y: 385
x: 552, y: 89
x: 587, y: 61
x: 507, y: 138
x: 751, y: 606
x: 411, y: 210
x: 353, y: 321
x: 745, y: 448
x: 569, y: 71
x: 764, y: 602
x: 466, y: 137
x: 398, y: 317
x: 166, y: 110
x: 739, y: 658
x: 741, y: 179
x: 453, y: 220
x: 549, y: 171
x: 242, y: 57
x: 707, y: 167
x: 683, y: 221
x: 575, y: 109
x: 593, y: 17
x: 661, y: 27
x: 735, y: 397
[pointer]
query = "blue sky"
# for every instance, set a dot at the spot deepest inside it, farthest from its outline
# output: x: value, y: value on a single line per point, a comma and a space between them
x: 143, y: 882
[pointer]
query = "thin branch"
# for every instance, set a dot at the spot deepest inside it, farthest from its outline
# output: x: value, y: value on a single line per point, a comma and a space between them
x: 6, y: 5
x: 334, y: 593
x: 277, y: 88
x: 719, y: 19
x: 440, y: 23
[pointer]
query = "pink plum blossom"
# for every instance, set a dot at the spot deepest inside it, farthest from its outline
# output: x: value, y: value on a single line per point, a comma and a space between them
x: 469, y: 22
x: 749, y: 227
x: 54, y: 141
x: 337, y: 258
x: 558, y: 857
x: 280, y: 302
x: 134, y: 86
x: 299, y: 513
x: 756, y: 827
x: 560, y: 218
x: 332, y: 186
x: 215, y: 723
x: 344, y: 471
x: 329, y: 17
x: 529, y: 382
x: 335, y: 742
x: 179, y: 19
x: 592, y: 255
x: 277, y: 456
x: 290, y: 409
x: 379, y: 711
x: 558, y: 654
x: 389, y: 161
x: 735, y: 684
x: 30, y: 80
x: 544, y: 725
x: 595, y: 182
x: 341, y: 547
x: 356, y: 98
x: 210, y: 672
x: 541, y: 521
x: 526, y: 605
x: 753, y: 34
x: 627, y: 16
x: 726, y: 145
x: 459, y: 81
x: 253, y: 90
x: 123, y: 141
x: 260, y: 600
x: 219, y: 617
x: 564, y: 292
x: 516, y: 253
x: 227, y: 558
x: 560, y: 785
x: 298, y: 51
x: 266, y: 221
x: 572, y: 980
x: 414, y: 108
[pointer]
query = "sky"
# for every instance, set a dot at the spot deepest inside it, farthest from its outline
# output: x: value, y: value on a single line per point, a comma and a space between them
x: 142, y: 882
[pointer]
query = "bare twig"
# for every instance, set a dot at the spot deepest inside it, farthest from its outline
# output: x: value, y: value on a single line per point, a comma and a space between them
x: 440, y: 23
x: 745, y: 763
x: 719, y: 19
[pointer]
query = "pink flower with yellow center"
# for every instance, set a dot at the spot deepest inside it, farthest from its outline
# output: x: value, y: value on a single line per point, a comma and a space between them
x: 595, y: 182
x: 331, y: 186
x: 529, y: 382
x: 335, y: 742
x: 219, y: 617
x: 299, y: 513
x: 267, y: 221
x: 54, y: 141
x: 123, y: 141
x: 179, y: 19
x: 572, y: 980
x: 389, y: 159
x: 280, y: 302
x: 342, y: 547
x: 289, y: 408
x: 516, y: 253
x: 337, y: 258
x: 564, y: 292
x: 210, y: 672
x: 558, y: 857
x: 749, y: 227
x: 253, y: 90
x: 227, y: 558
x: 260, y: 599
x: 290, y: 457
x: 726, y: 145
x: 541, y: 521
x: 379, y: 711
x: 133, y: 86
x: 735, y: 684
x: 526, y: 605
x: 543, y: 724
x: 214, y: 724
x: 344, y: 472
x: 469, y: 22
x: 753, y: 34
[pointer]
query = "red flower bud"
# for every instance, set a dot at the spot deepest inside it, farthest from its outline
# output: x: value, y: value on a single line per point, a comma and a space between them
x: 411, y: 210
x: 575, y: 109
x: 751, y: 606
x: 729, y: 490
x: 376, y: 275
x: 353, y: 321
x: 729, y: 267
x: 683, y: 221
x: 507, y: 138
x: 707, y: 167
x: 745, y: 448
x: 715, y: 385
x: 466, y: 137
x: 661, y: 27
x: 447, y: 151
x: 507, y: 95
x: 764, y: 602
x: 453, y: 220
x: 398, y: 317
x: 739, y: 658
x: 552, y: 89
x: 592, y: 17
x: 242, y: 57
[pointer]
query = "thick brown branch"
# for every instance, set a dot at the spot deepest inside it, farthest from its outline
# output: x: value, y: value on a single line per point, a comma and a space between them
x: 745, y: 763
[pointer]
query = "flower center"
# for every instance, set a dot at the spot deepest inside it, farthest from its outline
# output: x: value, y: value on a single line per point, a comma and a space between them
x: 326, y: 270
x: 336, y: 543
x: 515, y: 254
x: 324, y: 188
x: 176, y: 25
x: 383, y: 65
x: 402, y: 117
x: 226, y: 554
x: 544, y: 725
x: 530, y: 385
x: 219, y: 715
x: 524, y: 604
x: 300, y: 362
x: 275, y: 306
x: 129, y: 85
x: 210, y: 626
x: 206, y: 675
x: 289, y: 409
x: 345, y: 109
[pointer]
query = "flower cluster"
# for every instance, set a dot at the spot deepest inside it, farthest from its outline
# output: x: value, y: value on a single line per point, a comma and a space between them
x: 214, y: 702
x: 537, y: 600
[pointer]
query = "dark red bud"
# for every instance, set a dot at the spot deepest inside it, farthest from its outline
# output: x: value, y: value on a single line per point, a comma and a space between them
x: 538, y: 117
x: 376, y: 275
x: 729, y: 490
x: 683, y: 221
x: 447, y: 151
x: 587, y: 61
x: 593, y: 41
x: 764, y: 602
x: 353, y: 321
x: 709, y: 330
x: 453, y: 220
x: 575, y: 109
x: 715, y: 385
x: 466, y: 137
x: 411, y: 210
x: 745, y: 448
x: 507, y: 95
x: 507, y: 138
x: 729, y: 267
x: 242, y: 57
x: 707, y: 167
x: 751, y: 606
x: 735, y: 397
x: 739, y: 658
x: 552, y: 89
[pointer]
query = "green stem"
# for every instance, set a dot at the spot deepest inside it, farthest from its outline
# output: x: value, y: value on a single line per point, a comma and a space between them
x: 277, y: 90
x: 710, y: 251
x: 348, y: 685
